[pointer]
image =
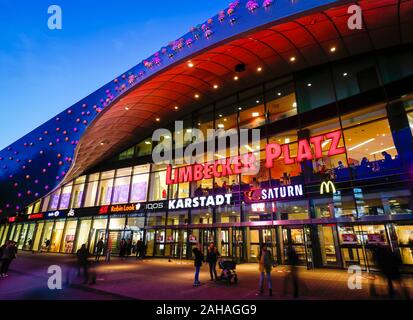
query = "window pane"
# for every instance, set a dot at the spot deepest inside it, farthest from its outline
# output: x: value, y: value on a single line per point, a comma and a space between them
x: 105, y: 191
x: 121, y: 191
x: 65, y: 197
x: 91, y: 192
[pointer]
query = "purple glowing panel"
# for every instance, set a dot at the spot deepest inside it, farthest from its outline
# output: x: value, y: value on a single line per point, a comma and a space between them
x: 121, y: 194
x: 139, y: 191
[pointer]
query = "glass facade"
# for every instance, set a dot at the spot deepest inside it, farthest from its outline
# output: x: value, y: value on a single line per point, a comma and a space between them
x: 371, y: 203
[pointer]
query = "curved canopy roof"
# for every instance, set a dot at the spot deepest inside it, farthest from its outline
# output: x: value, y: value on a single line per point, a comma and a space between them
x: 272, y: 38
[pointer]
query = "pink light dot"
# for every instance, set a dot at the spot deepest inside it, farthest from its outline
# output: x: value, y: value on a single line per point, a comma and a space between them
x: 60, y: 163
x: 69, y: 111
x: 57, y: 177
x: 57, y: 119
x: 29, y: 192
x: 57, y: 129
x: 11, y: 176
x: 67, y: 139
x: 46, y: 187
x: 36, y: 194
x: 83, y: 113
x: 30, y: 161
x: 59, y: 155
x: 44, y: 170
x: 1, y: 158
x: 49, y: 164
x: 36, y: 181
x: 63, y: 173
x: 77, y: 120
x: 51, y: 144
x: 84, y: 105
x: 19, y: 195
x: 8, y: 205
x: 27, y: 177
x: 24, y: 167
x: 84, y: 121
x: 88, y: 113
x: 41, y: 151
x: 17, y: 207
x: 46, y: 132
x: 65, y: 132
x: 57, y: 140
x: 15, y: 185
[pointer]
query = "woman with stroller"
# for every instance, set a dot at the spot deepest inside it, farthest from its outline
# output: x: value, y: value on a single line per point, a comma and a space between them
x: 265, y: 262
x: 212, y: 258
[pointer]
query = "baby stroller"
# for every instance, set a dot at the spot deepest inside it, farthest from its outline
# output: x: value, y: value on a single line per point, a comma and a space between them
x: 228, y: 273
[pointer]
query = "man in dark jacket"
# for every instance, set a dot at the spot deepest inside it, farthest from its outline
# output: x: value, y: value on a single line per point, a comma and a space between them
x: 99, y: 249
x: 83, y: 261
x: 199, y: 258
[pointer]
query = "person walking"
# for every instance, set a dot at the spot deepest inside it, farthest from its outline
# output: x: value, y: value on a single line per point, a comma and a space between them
x: 139, y: 249
x: 212, y: 258
x: 199, y: 258
x: 83, y: 262
x: 129, y: 248
x: 99, y: 249
x: 265, y: 263
x: 293, y: 274
x: 122, y: 249
x: 9, y: 253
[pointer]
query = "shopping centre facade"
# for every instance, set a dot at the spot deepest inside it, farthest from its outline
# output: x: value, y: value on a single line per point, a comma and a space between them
x: 334, y: 108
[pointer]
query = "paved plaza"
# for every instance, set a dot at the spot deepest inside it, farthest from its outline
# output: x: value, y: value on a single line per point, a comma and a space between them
x: 171, y: 280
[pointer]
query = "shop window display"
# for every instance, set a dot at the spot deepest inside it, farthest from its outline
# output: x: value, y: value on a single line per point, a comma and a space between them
x: 106, y: 188
x: 202, y: 216
x: 156, y: 219
x: 69, y: 236
x: 54, y: 200
x: 405, y: 242
x: 97, y: 231
x: 83, y: 234
x: 56, y: 236
x: 176, y: 218
x: 159, y: 188
x: 91, y: 190
x: 140, y: 182
x: 65, y: 196
x: 37, y: 244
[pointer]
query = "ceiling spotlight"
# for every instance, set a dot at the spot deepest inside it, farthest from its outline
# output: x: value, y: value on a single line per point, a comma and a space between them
x: 279, y: 93
x: 345, y: 74
x: 259, y: 69
x: 236, y: 78
x: 102, y: 143
x: 176, y: 107
x: 216, y: 86
x: 239, y: 108
x: 309, y: 84
x: 258, y: 101
x: 196, y: 96
x: 255, y: 114
x: 157, y: 119
x: 220, y: 115
x: 295, y: 105
x: 147, y: 142
x: 333, y: 49
x: 190, y: 64
x: 126, y: 108
x: 292, y: 59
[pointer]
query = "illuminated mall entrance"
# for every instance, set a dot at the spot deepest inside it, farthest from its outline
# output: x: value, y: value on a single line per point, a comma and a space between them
x: 116, y: 236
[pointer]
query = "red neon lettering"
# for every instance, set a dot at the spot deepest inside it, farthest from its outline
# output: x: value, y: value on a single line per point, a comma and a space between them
x: 304, y: 151
x: 226, y: 167
x: 185, y: 174
x: 334, y: 148
x: 249, y: 163
x: 237, y: 165
x: 318, y: 148
x: 286, y: 152
x: 217, y: 174
x: 272, y: 151
x: 198, y: 172
x: 208, y: 171
x: 169, y: 179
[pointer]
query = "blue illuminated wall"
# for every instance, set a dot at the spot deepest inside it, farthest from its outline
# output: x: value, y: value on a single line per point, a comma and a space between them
x: 35, y: 165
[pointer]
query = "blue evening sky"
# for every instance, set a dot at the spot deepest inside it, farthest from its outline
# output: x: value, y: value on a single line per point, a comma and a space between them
x: 44, y: 71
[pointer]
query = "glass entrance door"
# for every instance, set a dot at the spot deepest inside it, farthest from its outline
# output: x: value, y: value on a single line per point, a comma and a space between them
x: 259, y: 236
x: 176, y: 243
x: 299, y: 238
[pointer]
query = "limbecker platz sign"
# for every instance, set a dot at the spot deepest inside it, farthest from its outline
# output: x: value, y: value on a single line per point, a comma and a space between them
x: 307, y: 150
